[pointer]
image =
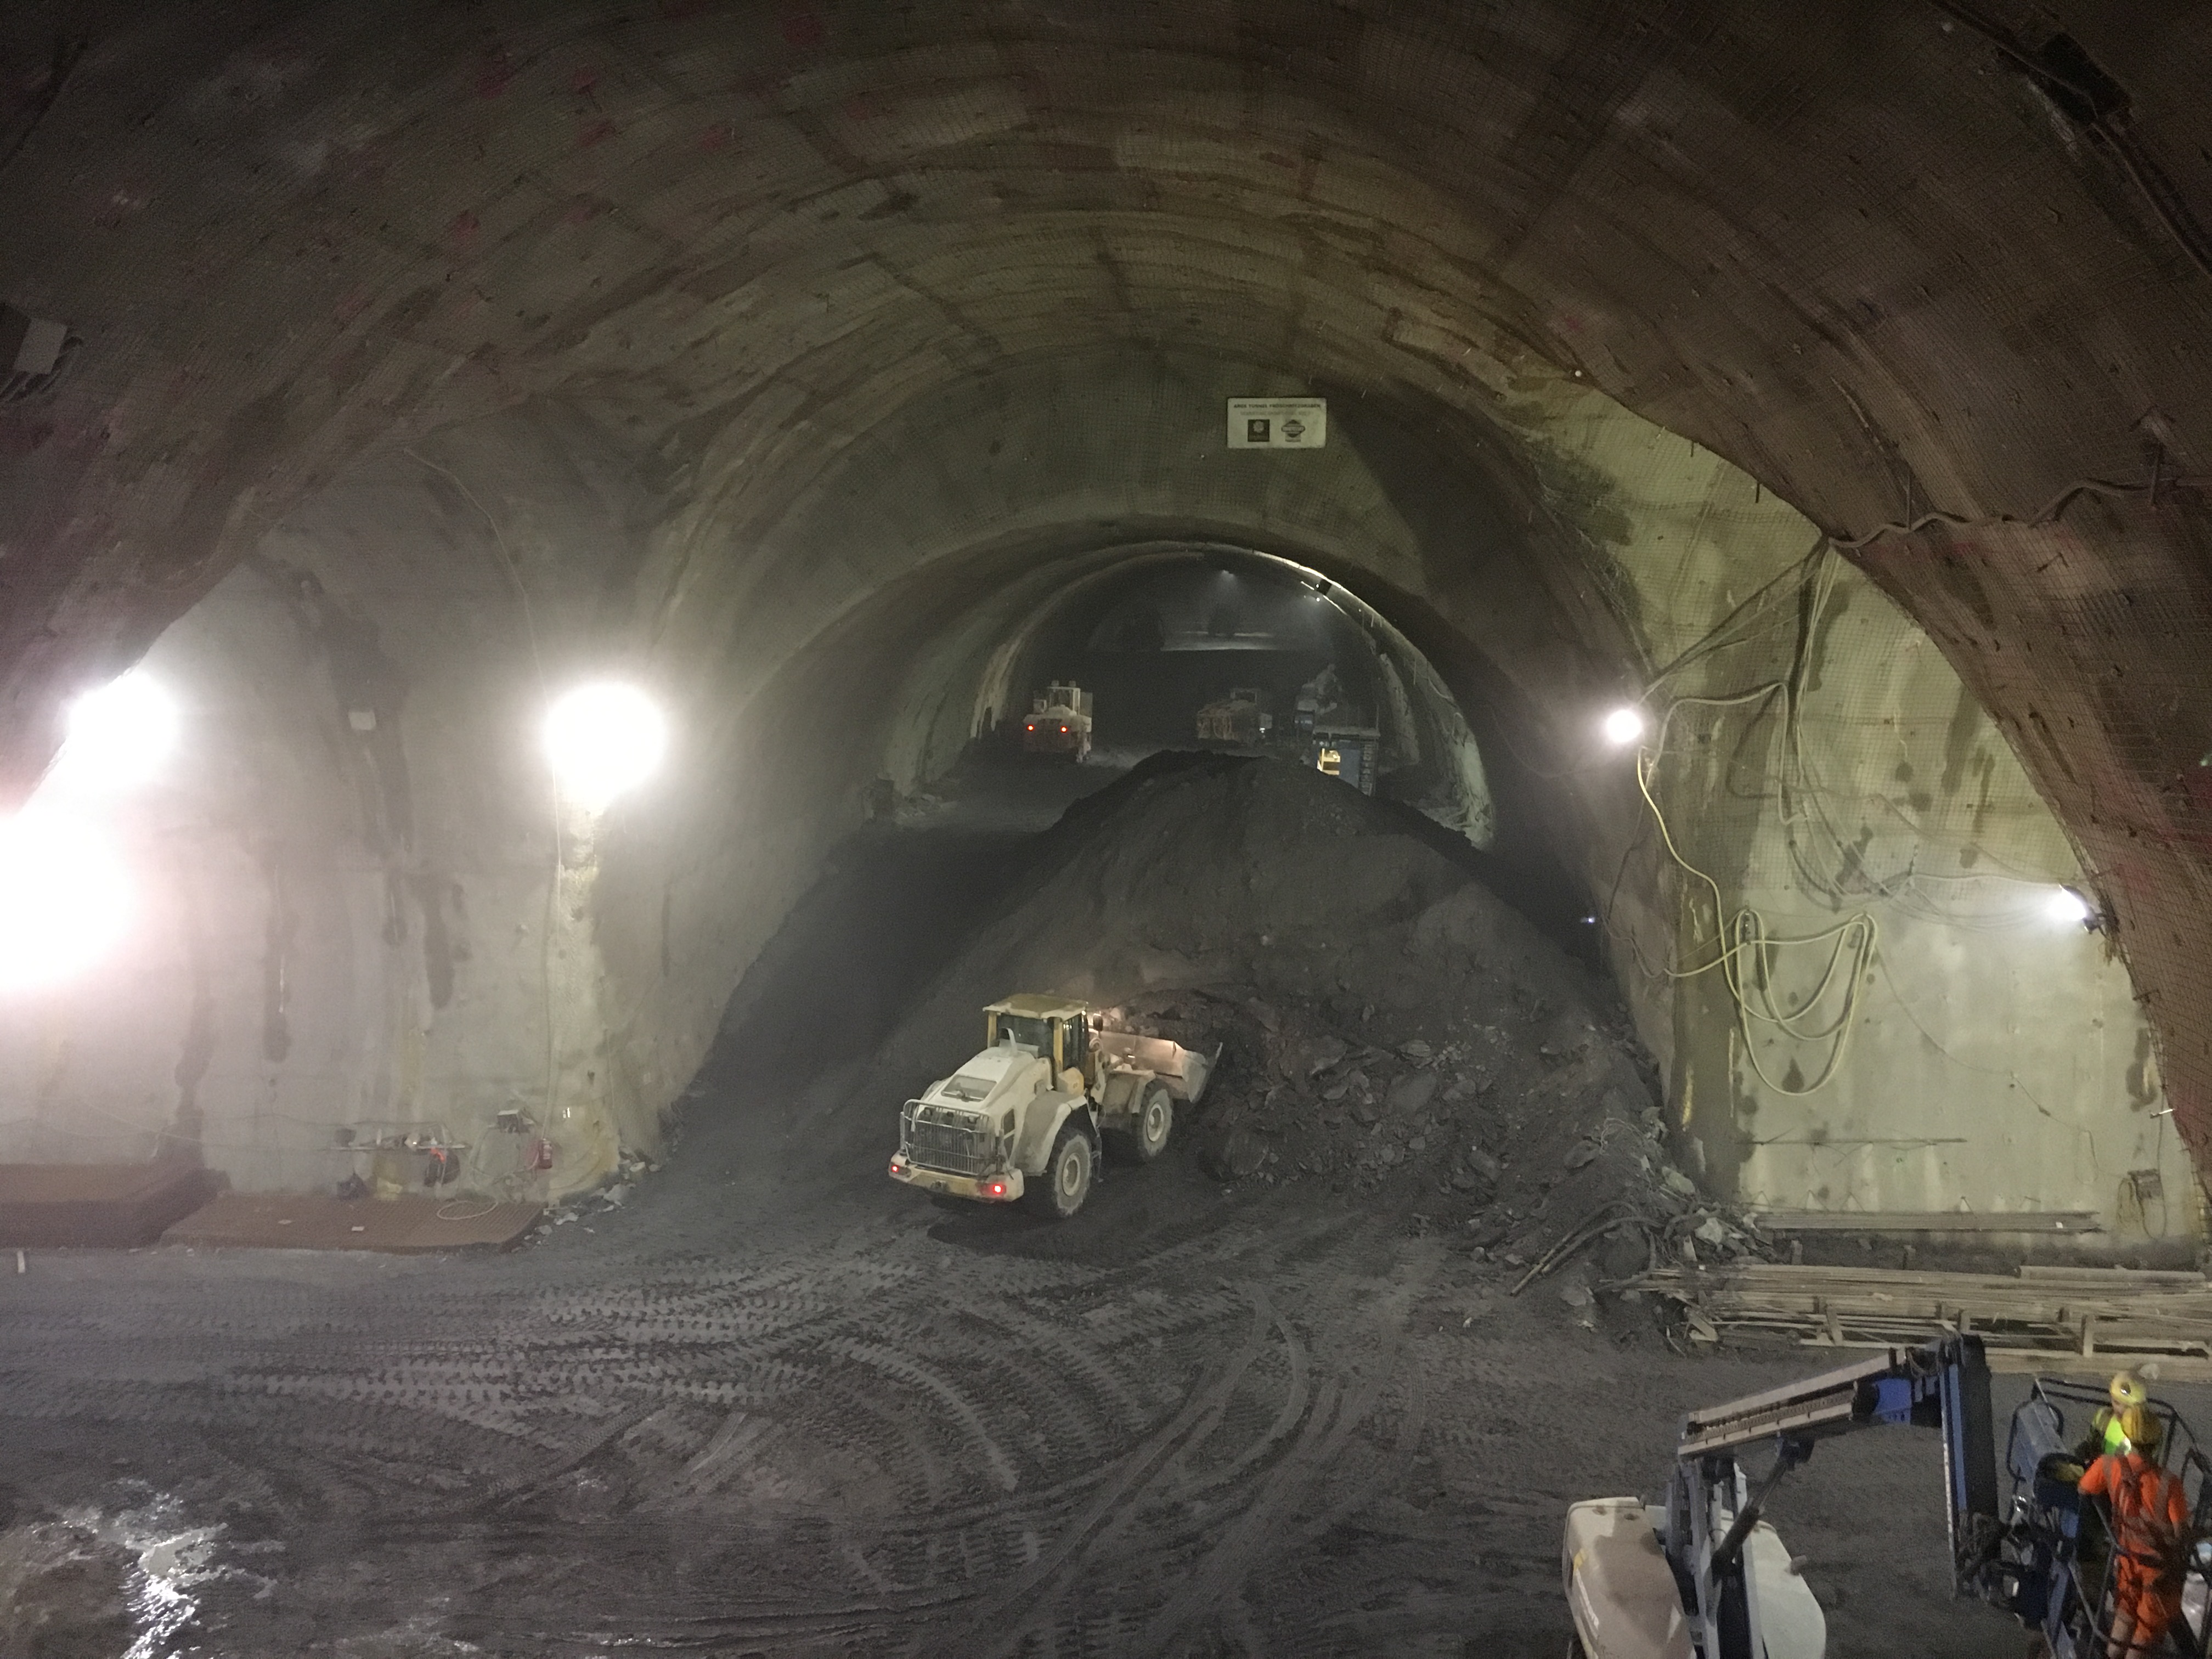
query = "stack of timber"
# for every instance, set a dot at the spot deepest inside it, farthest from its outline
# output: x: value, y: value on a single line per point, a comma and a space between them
x: 2041, y: 1318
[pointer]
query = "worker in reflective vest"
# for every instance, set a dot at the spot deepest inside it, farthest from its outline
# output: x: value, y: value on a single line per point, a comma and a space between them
x: 2150, y: 1516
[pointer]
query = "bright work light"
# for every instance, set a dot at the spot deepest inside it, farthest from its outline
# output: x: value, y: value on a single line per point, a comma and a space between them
x: 2067, y: 908
x: 116, y: 736
x: 1623, y: 726
x: 64, y: 898
x: 603, y: 740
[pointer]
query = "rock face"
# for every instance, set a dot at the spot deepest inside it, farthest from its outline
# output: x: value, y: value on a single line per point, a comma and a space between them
x: 1391, y: 1029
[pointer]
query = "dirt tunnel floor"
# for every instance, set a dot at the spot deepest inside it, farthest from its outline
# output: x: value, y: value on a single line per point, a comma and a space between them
x: 771, y: 1408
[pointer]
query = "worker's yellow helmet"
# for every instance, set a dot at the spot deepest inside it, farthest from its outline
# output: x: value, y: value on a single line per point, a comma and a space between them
x: 2142, y: 1428
x: 2127, y: 1390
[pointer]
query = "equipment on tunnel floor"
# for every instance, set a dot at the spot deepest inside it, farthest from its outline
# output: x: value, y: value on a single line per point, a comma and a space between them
x: 1241, y: 717
x: 1701, y: 1576
x: 1347, y: 752
x: 1059, y: 722
x: 1028, y: 1117
x: 1338, y: 740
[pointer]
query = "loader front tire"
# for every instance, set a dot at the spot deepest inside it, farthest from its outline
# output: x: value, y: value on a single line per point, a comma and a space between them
x: 1155, y: 1124
x: 1143, y: 1136
x: 1059, y: 1192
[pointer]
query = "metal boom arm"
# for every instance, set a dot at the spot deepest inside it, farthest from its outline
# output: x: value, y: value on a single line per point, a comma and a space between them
x: 1941, y: 1385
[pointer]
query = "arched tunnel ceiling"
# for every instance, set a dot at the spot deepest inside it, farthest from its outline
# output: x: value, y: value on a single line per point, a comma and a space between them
x: 1859, y: 250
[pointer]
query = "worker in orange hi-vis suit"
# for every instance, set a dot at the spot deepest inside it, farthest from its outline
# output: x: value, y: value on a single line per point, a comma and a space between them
x: 2149, y: 1513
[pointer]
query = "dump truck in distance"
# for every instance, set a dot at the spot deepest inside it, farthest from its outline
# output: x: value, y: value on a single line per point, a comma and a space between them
x: 1059, y: 722
x: 1028, y: 1118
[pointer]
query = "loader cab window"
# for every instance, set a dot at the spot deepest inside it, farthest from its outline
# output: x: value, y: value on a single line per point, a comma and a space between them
x: 1075, y: 1045
x: 1033, y: 1034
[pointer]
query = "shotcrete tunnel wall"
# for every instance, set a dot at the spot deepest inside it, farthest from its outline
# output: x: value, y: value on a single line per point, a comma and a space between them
x: 891, y: 302
x: 392, y: 961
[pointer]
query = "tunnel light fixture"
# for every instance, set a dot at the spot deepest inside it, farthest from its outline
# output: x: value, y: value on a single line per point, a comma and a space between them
x: 116, y: 737
x: 2067, y: 909
x: 1624, y: 726
x: 602, y: 740
x: 64, y: 898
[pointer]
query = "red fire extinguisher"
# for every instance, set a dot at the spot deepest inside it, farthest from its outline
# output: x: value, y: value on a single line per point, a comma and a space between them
x: 541, y: 1153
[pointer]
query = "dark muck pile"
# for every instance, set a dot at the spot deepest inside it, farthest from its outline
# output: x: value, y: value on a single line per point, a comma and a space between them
x: 1392, y: 1030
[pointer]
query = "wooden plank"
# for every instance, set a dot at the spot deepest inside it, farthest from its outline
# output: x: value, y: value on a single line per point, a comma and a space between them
x: 97, y: 1206
x: 1927, y: 1221
x: 2118, y: 1276
x: 2091, y: 1320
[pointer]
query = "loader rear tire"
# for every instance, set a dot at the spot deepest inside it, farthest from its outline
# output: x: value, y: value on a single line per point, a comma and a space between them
x: 1059, y: 1192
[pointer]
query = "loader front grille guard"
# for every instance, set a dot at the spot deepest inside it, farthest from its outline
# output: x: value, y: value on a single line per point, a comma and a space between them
x: 948, y: 1138
x: 2086, y: 1616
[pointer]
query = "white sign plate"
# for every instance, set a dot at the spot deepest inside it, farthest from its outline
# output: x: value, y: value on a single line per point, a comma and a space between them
x: 1277, y: 422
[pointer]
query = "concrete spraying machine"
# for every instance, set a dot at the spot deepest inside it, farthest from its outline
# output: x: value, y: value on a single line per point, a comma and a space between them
x: 1059, y: 722
x: 1027, y: 1119
x: 1699, y: 1575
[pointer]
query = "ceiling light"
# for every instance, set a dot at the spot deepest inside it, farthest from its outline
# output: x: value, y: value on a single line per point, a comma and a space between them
x: 118, y: 735
x: 65, y: 896
x: 603, y: 740
x: 1623, y: 726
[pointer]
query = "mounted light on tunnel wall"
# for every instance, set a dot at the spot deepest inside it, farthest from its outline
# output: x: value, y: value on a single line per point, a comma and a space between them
x: 2067, y: 908
x: 64, y: 898
x: 603, y: 740
x: 116, y: 737
x: 1623, y: 726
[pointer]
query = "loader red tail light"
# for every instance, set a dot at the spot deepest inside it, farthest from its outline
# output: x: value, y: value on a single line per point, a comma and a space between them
x: 898, y: 1166
x: 1063, y: 729
x: 994, y: 1189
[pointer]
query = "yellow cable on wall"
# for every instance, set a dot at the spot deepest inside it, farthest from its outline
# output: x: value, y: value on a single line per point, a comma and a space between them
x: 1744, y: 938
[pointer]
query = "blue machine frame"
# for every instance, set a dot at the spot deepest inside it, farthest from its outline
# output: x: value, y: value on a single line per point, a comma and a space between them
x: 2031, y: 1556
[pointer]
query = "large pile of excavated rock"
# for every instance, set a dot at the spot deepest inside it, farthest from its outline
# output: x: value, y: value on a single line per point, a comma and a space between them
x: 1392, y: 1030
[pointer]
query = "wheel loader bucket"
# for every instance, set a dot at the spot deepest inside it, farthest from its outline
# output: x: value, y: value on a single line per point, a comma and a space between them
x: 1185, y: 1072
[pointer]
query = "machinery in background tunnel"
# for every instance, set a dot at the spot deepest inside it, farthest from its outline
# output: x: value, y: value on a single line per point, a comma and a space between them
x: 1061, y: 720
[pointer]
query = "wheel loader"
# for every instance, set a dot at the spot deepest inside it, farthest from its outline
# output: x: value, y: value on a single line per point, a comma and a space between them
x: 1027, y: 1120
x: 1059, y: 723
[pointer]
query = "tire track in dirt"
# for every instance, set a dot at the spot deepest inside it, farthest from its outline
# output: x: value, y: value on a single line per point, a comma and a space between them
x: 1117, y: 1494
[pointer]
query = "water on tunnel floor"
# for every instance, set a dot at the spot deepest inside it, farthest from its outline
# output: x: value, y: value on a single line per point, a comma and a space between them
x: 777, y: 1406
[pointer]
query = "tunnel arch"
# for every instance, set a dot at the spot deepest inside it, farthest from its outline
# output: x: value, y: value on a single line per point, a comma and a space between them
x: 745, y: 245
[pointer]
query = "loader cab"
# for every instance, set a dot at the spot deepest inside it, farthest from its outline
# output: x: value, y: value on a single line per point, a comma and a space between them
x: 1049, y: 1027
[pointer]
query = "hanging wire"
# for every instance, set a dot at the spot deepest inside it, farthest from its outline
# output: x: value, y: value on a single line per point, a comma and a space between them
x: 1748, y: 955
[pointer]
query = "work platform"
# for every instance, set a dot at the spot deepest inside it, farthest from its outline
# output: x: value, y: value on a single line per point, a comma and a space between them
x: 398, y: 1226
x: 97, y: 1206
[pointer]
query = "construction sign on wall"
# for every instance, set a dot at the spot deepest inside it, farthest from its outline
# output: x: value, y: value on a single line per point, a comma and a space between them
x: 1277, y: 422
